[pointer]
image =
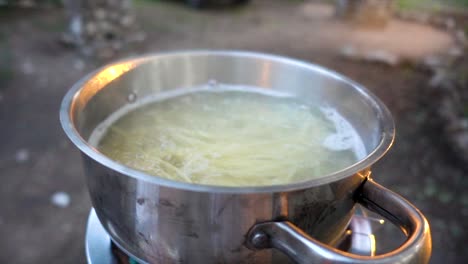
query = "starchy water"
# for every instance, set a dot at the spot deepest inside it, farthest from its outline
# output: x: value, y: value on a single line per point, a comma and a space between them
x: 229, y: 135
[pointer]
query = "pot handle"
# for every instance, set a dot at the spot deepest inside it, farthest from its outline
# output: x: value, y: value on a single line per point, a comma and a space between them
x: 303, y: 249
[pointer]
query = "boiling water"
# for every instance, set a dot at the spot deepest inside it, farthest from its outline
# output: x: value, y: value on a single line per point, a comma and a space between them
x: 230, y: 136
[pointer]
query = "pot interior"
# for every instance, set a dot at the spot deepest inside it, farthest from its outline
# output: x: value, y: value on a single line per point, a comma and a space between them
x: 97, y: 96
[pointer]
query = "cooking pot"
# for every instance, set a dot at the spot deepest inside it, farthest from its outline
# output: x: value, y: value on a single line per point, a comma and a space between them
x: 157, y: 220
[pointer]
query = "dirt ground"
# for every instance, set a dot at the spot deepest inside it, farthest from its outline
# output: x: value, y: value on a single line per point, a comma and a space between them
x: 36, y: 159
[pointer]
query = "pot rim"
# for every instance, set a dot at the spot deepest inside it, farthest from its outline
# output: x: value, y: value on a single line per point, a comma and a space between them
x: 383, y: 115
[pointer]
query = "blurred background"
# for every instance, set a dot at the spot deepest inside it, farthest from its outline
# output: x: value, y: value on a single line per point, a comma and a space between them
x: 411, y: 53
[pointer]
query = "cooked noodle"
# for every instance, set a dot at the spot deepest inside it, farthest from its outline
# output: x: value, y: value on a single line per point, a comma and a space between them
x: 229, y: 138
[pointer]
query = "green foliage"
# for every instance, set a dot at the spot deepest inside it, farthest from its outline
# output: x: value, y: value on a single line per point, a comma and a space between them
x: 430, y: 4
x: 463, y: 3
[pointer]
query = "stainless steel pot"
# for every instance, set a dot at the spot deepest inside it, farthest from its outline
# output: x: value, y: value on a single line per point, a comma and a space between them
x: 157, y: 220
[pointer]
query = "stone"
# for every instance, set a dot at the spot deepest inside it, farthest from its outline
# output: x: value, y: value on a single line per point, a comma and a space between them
x: 60, y: 199
x: 114, y: 16
x: 76, y: 26
x: 67, y: 39
x: 382, y: 56
x: 317, y: 11
x: 461, y: 139
x: 105, y: 27
x: 117, y: 45
x: 87, y: 51
x: 455, y: 52
x: 125, y: 5
x: 450, y: 23
x: 450, y: 92
x: 91, y: 28
x: 100, y: 14
x: 22, y: 156
x: 104, y: 53
x: 79, y: 65
x: 137, y: 37
x: 461, y: 37
x: 438, y: 79
x: 464, y: 200
x: 456, y: 230
x: 28, y: 68
x: 108, y: 25
x: 349, y: 51
x: 446, y: 112
x: 43, y: 81
x: 465, y: 211
x: 445, y: 196
x: 127, y: 21
x: 27, y: 3
x: 462, y: 124
x: 435, y: 61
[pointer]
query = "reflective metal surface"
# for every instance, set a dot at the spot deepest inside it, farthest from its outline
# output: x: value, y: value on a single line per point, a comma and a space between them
x: 98, y: 243
x: 291, y: 240
x: 166, y: 224
x: 164, y: 221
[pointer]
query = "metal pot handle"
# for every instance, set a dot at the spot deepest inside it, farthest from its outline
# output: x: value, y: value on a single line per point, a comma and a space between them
x: 303, y: 249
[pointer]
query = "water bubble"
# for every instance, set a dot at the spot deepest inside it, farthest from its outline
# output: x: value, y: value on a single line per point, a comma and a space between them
x: 338, y: 142
x: 213, y: 83
x: 304, y: 107
x: 131, y: 97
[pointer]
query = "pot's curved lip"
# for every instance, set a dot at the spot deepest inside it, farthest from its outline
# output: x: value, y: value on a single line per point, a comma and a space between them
x: 384, y: 116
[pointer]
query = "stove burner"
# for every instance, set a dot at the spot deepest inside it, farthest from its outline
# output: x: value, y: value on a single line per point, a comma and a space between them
x: 101, y: 250
x: 120, y: 256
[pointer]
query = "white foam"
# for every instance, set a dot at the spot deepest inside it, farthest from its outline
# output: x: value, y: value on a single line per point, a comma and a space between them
x: 346, y: 137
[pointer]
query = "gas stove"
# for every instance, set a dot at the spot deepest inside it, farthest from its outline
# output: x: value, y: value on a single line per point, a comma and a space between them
x: 100, y: 249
